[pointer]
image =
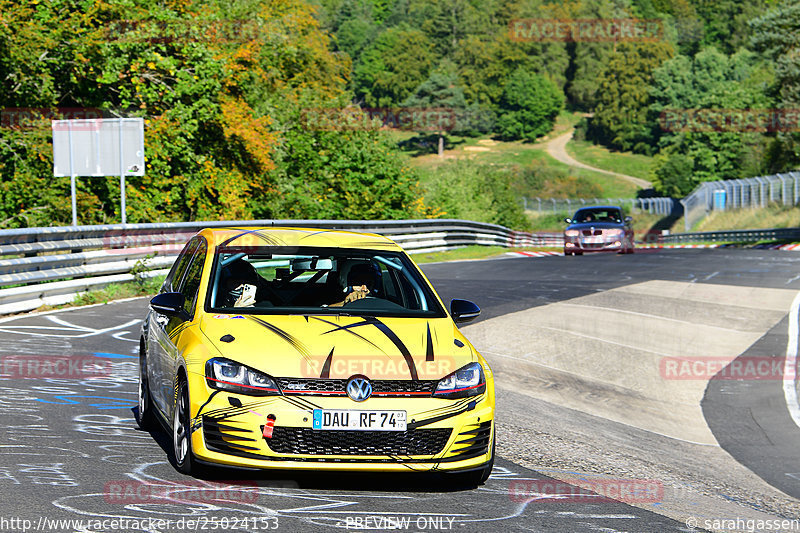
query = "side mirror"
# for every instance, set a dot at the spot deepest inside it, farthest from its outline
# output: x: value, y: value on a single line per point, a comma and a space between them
x: 628, y: 219
x: 463, y: 310
x: 568, y: 220
x: 169, y: 304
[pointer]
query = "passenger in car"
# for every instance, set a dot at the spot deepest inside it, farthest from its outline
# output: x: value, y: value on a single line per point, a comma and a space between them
x: 361, y: 282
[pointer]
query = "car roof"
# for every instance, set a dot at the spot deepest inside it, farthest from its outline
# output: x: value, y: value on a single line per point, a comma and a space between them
x: 600, y: 207
x: 293, y: 237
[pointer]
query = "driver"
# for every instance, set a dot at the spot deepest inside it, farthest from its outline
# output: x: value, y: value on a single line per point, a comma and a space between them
x: 240, y: 282
x: 361, y: 282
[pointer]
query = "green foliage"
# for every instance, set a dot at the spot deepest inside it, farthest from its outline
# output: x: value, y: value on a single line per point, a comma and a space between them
x: 327, y: 172
x: 475, y: 192
x: 672, y: 175
x: 775, y: 35
x: 710, y: 80
x: 620, y: 119
x: 214, y: 81
x: 529, y: 106
x: 392, y: 67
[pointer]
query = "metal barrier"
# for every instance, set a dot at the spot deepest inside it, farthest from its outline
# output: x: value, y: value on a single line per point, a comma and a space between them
x: 741, y: 193
x: 51, y: 265
x: 656, y: 206
x: 744, y: 236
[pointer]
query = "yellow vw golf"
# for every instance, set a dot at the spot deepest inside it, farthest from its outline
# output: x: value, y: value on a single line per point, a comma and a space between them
x: 312, y: 349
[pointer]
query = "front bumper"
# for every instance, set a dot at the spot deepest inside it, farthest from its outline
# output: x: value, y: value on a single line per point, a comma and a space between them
x: 610, y: 245
x: 442, y: 434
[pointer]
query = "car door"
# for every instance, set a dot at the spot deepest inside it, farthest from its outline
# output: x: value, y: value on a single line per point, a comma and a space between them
x: 190, y: 285
x: 157, y: 339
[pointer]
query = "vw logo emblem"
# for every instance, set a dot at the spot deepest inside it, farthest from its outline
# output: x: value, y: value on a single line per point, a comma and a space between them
x: 359, y: 389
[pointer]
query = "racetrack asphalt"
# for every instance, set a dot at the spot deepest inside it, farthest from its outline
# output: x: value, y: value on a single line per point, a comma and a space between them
x: 69, y: 446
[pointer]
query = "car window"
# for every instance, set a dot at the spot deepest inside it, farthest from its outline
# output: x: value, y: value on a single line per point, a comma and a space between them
x: 173, y: 279
x: 191, y: 282
x: 281, y: 280
x: 598, y: 215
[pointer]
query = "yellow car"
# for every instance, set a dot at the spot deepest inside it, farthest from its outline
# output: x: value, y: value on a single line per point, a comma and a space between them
x: 312, y: 349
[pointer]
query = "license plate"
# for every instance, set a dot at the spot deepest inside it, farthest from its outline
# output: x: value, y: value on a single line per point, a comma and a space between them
x: 359, y: 420
x: 593, y: 240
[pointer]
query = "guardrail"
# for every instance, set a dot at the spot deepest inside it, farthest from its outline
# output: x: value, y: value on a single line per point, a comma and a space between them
x: 750, y: 235
x: 654, y: 206
x: 51, y: 265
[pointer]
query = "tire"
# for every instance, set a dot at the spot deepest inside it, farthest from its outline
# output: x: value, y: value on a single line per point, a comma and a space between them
x: 145, y: 416
x: 181, y: 431
x: 578, y: 253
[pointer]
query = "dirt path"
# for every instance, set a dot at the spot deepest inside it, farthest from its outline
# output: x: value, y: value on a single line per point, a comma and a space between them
x: 557, y: 148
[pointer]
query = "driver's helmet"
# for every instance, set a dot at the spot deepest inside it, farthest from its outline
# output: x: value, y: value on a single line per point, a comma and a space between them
x: 365, y: 273
x: 236, y: 274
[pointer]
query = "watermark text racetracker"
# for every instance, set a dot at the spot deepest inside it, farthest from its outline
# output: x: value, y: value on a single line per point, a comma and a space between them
x: 54, y: 366
x: 16, y: 524
x: 586, y: 30
x: 704, y: 368
x: 730, y: 120
x: 587, y: 490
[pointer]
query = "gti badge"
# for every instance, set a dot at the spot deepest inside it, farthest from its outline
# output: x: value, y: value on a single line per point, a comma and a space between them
x: 359, y: 389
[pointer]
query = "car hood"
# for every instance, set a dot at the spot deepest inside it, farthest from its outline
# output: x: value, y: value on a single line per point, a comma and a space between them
x: 333, y: 346
x: 596, y: 225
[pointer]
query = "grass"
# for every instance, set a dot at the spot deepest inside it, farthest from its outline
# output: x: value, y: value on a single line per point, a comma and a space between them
x: 118, y: 291
x: 473, y: 252
x: 485, y: 150
x: 772, y: 216
x: 594, y: 155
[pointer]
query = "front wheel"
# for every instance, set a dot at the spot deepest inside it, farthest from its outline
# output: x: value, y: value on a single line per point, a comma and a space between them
x: 145, y: 416
x: 182, y: 432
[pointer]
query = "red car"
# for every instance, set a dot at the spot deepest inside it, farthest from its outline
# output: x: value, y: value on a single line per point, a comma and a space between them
x: 598, y: 229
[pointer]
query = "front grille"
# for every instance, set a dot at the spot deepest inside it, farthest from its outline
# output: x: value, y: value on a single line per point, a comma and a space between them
x: 297, y: 385
x: 337, y: 387
x: 589, y: 232
x: 308, y: 441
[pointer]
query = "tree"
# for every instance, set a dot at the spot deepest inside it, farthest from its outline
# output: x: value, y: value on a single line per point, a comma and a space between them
x: 775, y: 35
x: 528, y: 107
x: 392, y: 67
x: 620, y: 119
x: 682, y: 88
x: 441, y: 93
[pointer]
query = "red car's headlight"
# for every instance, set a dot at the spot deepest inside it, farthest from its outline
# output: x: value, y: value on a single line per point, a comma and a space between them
x: 571, y: 233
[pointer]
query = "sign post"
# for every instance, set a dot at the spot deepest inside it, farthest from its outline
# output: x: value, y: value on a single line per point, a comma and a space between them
x: 98, y: 147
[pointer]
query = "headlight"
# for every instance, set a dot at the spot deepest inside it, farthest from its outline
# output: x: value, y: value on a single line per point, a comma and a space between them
x: 614, y: 232
x: 224, y: 374
x: 571, y: 233
x: 465, y: 382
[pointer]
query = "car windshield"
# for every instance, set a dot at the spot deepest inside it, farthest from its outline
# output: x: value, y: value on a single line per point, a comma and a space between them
x: 597, y: 215
x: 281, y: 280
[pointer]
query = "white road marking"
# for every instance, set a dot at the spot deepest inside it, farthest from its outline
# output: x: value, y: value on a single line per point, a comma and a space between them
x: 790, y: 365
x: 63, y: 325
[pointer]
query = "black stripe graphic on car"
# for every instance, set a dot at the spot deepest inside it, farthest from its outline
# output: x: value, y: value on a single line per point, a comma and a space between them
x: 288, y: 337
x: 347, y: 329
x: 429, y: 349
